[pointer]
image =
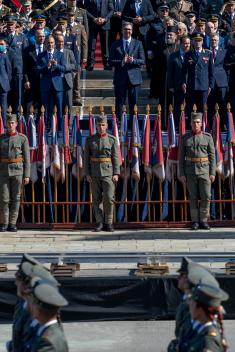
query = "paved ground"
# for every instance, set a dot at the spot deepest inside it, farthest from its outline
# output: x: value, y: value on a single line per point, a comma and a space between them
x: 138, y: 336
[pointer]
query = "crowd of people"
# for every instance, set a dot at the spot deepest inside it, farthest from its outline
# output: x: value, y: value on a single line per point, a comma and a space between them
x: 187, y: 47
x: 37, y: 324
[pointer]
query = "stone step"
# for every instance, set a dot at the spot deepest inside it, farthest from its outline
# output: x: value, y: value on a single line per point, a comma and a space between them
x: 107, y: 92
x: 110, y: 101
x: 100, y: 73
x: 106, y: 83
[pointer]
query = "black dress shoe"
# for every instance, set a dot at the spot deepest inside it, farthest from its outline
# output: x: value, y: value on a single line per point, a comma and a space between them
x: 109, y: 228
x: 90, y: 68
x: 12, y: 228
x: 204, y: 226
x: 107, y: 67
x: 3, y: 228
x: 195, y: 226
x: 98, y: 227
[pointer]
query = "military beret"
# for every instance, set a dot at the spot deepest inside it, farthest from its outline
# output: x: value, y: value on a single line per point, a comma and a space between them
x: 209, y: 295
x: 10, y: 19
x: 101, y: 119
x: 190, y: 13
x: 12, y: 117
x: 163, y: 5
x: 198, y: 274
x: 196, y: 116
x: 172, y: 29
x: 31, y: 271
x: 46, y: 294
x: 184, y: 265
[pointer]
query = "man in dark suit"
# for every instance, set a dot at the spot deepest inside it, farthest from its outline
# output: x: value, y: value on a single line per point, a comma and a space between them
x: 31, y: 75
x: 174, y: 76
x: 229, y: 14
x: 99, y: 13
x: 70, y: 68
x: 229, y: 64
x: 116, y: 21
x: 198, y: 79
x: 5, y: 78
x: 127, y: 57
x: 218, y: 93
x: 51, y: 66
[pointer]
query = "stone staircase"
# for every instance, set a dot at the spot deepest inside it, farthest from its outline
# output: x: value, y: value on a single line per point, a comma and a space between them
x: 97, y: 90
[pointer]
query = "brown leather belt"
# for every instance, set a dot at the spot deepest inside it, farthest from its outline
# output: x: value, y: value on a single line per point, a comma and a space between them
x: 11, y: 160
x: 101, y: 160
x: 197, y: 160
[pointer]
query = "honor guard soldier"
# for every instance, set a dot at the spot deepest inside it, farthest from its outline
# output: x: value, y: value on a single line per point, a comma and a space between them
x: 45, y: 303
x: 14, y: 170
x: 197, y: 167
x: 102, y: 170
x: 198, y: 79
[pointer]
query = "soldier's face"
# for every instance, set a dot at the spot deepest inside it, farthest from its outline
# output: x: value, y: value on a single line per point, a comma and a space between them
x: 11, y: 27
x: 191, y: 19
x: 182, y: 282
x: 196, y: 125
x: 101, y: 127
x: 198, y: 44
x: 40, y: 24
x: 71, y: 19
x: 11, y: 126
x: 71, y: 3
x: 194, y: 309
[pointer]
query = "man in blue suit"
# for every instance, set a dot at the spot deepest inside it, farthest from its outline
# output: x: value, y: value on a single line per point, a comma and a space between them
x: 5, y: 78
x: 51, y: 66
x: 127, y: 57
x: 218, y: 93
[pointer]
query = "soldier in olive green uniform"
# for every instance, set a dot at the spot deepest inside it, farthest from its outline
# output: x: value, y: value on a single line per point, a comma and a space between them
x: 102, y: 170
x: 197, y: 167
x: 14, y: 169
x: 205, y: 307
x: 46, y: 301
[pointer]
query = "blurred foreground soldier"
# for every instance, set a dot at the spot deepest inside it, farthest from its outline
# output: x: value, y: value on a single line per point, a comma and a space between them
x: 102, y: 170
x: 45, y: 303
x: 14, y: 170
x: 197, y: 167
x: 205, y: 307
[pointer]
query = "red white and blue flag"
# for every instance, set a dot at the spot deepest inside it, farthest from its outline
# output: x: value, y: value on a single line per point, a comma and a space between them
x: 115, y: 134
x: 33, y: 145
x: 146, y: 153
x: 77, y: 152
x: 22, y: 125
x: 172, y: 154
x: 135, y: 145
x: 158, y: 157
x: 216, y: 134
x: 55, y: 153
x: 43, y: 150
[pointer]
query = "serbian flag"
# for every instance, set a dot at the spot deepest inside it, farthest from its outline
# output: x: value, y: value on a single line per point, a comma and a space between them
x: 124, y: 137
x: 32, y: 137
x: 55, y: 153
x: 172, y: 155
x: 158, y: 158
x: 135, y: 145
x: 182, y: 131
x: 216, y: 134
x: 205, y: 123
x: 17, y: 4
x: 77, y: 153
x: 1, y: 123
x: 22, y: 125
x: 146, y: 153
x: 231, y: 131
x: 92, y: 126
x: 43, y: 151
x: 67, y: 156
x: 115, y: 134
x: 228, y: 156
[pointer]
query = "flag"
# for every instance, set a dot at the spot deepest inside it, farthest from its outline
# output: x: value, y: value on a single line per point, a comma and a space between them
x: 1, y: 123
x: 92, y: 126
x: 17, y: 4
x: 32, y: 137
x: 146, y: 153
x: 228, y: 155
x: 182, y: 130
x: 124, y: 137
x: 67, y: 156
x: 43, y: 151
x: 157, y: 156
x: 172, y: 154
x: 22, y: 125
x: 135, y: 145
x: 115, y: 134
x: 216, y: 135
x: 77, y: 146
x: 55, y: 153
x: 205, y: 123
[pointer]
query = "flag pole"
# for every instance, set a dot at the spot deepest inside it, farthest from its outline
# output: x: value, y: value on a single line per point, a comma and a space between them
x: 219, y: 176
x: 231, y: 180
x: 172, y: 177
x: 137, y: 182
x: 90, y: 191
x: 78, y: 174
x: 22, y: 187
x: 125, y: 174
x: 114, y: 207
x: 67, y: 178
x: 148, y: 175
x: 159, y: 110
x: 31, y: 111
x: 43, y: 185
x: 55, y: 178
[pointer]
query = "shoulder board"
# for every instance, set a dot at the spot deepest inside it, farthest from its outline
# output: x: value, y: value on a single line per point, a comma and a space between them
x: 212, y: 333
x: 21, y: 134
x: 111, y: 136
x: 206, y: 133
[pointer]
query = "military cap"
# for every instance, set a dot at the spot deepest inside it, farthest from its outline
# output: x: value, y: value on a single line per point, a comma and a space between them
x: 70, y: 12
x: 184, y: 265
x: 197, y: 36
x: 46, y: 294
x: 10, y: 19
x: 209, y: 295
x: 39, y: 17
x: 12, y: 117
x: 27, y: 3
x: 30, y: 270
x: 198, y: 274
x: 163, y: 5
x: 229, y: 2
x: 62, y: 19
x: 214, y: 17
x: 196, y: 116
x: 171, y: 29
x: 201, y: 22
x: 190, y: 13
x: 101, y: 119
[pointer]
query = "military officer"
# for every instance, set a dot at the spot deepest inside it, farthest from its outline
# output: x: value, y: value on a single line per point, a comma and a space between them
x: 102, y: 170
x: 205, y: 307
x: 45, y: 303
x: 197, y: 167
x: 14, y: 169
x: 198, y: 79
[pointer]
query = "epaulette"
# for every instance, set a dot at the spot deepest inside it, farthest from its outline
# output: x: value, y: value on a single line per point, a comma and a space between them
x: 212, y: 333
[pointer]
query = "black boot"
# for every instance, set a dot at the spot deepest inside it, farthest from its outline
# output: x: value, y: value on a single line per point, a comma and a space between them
x: 109, y: 228
x: 3, y: 228
x: 98, y: 227
x: 195, y: 226
x: 204, y: 225
x: 12, y: 228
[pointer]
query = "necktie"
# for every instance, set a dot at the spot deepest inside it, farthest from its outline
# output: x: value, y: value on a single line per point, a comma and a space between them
x: 214, y: 54
x: 126, y: 47
x: 50, y: 56
x: 39, y: 49
x: 137, y: 7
